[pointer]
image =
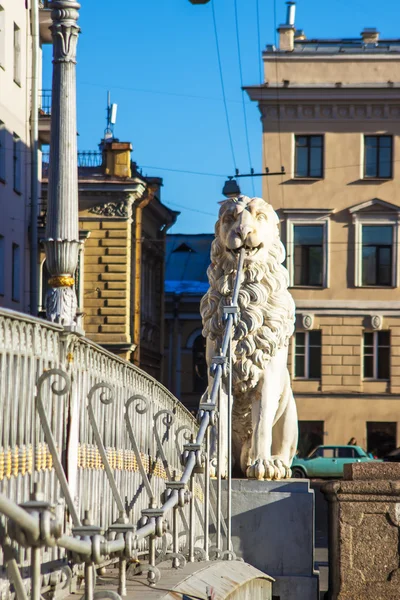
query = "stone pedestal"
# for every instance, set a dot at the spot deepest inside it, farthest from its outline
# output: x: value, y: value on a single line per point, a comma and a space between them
x: 273, y: 530
x: 364, y: 521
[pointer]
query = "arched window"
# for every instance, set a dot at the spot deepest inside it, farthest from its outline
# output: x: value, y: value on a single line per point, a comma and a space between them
x: 199, y: 364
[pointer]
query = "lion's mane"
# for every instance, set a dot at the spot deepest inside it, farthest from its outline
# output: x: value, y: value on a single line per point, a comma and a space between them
x: 266, y: 320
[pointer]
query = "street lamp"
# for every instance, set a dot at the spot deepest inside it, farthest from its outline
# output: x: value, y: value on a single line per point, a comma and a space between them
x: 199, y: 1
x: 231, y: 188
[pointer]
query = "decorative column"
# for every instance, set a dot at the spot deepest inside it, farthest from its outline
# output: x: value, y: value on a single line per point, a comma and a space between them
x: 62, y: 227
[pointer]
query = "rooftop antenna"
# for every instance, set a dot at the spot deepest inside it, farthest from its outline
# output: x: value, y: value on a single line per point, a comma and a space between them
x: 111, y: 118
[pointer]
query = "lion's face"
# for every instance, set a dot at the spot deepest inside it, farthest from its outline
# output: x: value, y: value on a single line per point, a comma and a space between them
x: 250, y: 223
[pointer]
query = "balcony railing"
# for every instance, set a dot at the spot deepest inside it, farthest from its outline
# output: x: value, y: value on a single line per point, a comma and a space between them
x: 86, y: 158
x: 44, y: 103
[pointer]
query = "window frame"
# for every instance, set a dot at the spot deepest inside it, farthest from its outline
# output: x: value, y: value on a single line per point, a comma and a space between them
x: 3, y: 152
x: 2, y: 37
x: 17, y: 163
x: 372, y: 177
x: 17, y: 55
x: 378, y: 221
x: 2, y: 265
x: 314, y: 217
x: 306, y: 376
x: 375, y: 355
x: 311, y: 177
x: 16, y: 273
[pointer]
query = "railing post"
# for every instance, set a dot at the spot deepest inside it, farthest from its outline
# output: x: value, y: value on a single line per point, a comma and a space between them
x: 207, y: 495
x: 229, y: 425
x: 62, y: 227
x: 219, y: 482
x: 191, y: 519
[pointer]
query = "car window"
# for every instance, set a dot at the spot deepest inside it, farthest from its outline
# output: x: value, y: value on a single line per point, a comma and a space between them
x: 345, y: 452
x: 360, y: 452
x: 327, y: 452
x: 314, y: 453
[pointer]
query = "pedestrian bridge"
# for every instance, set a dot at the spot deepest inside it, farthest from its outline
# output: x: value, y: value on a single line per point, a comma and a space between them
x: 102, y: 470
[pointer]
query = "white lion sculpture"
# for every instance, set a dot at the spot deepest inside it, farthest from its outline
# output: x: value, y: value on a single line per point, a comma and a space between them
x: 264, y: 416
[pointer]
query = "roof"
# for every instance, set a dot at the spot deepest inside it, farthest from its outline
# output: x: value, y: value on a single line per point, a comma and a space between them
x: 342, y: 46
x: 187, y: 259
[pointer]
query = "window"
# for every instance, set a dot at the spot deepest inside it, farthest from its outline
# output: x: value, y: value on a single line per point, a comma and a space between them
x: 377, y: 252
x: 16, y: 273
x: 308, y: 156
x: 2, y: 151
x: 378, y: 156
x: 381, y: 437
x: 199, y: 365
x: 17, y: 165
x: 307, y: 363
x: 2, y: 37
x: 308, y: 255
x: 2, y: 259
x: 345, y: 453
x: 17, y: 54
x: 324, y: 452
x: 307, y: 241
x: 377, y: 355
x: 311, y: 435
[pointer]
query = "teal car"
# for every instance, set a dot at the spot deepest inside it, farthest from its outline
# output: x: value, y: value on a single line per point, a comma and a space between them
x: 328, y: 461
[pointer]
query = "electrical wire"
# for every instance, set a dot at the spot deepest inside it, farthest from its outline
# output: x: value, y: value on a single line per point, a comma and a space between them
x: 243, y: 97
x: 191, y: 209
x: 261, y: 76
x: 278, y: 105
x: 222, y: 84
x: 182, y: 171
x: 157, y: 92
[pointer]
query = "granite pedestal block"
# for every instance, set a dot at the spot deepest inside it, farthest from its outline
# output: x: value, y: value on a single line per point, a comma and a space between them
x: 273, y: 530
x: 364, y: 525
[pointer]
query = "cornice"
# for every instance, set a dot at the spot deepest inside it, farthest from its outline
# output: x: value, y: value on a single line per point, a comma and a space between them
x: 349, y: 307
x: 328, y: 56
x: 327, y: 111
x: 266, y: 94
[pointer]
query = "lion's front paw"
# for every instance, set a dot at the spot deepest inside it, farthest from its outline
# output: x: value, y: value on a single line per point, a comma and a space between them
x: 214, y: 468
x: 268, y: 469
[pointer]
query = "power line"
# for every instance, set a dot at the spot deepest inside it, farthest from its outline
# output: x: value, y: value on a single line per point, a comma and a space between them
x: 191, y: 209
x: 182, y: 171
x: 278, y: 104
x: 261, y: 76
x: 157, y: 92
x: 222, y: 85
x: 241, y: 86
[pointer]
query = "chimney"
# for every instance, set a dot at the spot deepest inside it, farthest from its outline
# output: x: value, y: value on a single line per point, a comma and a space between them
x: 299, y: 35
x: 117, y: 158
x: 370, y: 35
x: 286, y: 31
x: 291, y: 12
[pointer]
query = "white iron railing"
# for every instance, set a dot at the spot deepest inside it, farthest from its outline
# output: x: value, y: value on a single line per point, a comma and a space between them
x: 100, y: 463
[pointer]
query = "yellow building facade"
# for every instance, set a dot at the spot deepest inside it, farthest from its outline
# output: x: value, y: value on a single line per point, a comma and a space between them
x: 331, y: 117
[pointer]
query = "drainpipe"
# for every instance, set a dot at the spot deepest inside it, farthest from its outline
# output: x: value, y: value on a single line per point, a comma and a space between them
x: 138, y: 273
x: 34, y: 250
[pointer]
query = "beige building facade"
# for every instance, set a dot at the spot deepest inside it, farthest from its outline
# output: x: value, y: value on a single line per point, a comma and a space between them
x: 120, y: 274
x: 331, y: 117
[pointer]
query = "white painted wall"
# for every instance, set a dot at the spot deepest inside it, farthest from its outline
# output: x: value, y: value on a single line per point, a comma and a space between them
x: 15, y: 114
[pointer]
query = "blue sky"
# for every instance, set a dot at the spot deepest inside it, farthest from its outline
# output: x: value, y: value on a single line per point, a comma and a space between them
x: 158, y: 58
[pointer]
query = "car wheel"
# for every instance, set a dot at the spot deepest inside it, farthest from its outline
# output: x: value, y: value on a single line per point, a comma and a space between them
x: 298, y: 473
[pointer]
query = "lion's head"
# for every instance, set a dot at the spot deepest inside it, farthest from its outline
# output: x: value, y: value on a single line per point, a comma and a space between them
x: 266, y: 307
